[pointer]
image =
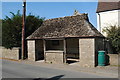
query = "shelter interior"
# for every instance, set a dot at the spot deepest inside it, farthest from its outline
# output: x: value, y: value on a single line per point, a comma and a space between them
x: 69, y: 48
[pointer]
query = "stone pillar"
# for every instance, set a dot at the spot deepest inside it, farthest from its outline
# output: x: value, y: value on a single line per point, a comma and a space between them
x: 87, y: 52
x: 31, y: 50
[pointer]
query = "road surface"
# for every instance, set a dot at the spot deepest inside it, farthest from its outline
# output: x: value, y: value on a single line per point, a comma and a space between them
x: 13, y: 69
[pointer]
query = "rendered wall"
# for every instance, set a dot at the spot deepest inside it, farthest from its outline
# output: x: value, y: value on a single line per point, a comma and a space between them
x: 107, y: 18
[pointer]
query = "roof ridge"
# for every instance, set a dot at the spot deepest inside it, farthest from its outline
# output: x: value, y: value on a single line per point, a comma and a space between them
x: 83, y: 14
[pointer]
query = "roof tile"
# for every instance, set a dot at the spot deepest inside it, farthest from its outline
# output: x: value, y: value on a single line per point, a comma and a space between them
x: 108, y: 6
x: 69, y: 26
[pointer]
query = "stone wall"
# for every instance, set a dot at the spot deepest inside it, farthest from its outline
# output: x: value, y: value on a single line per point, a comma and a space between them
x: 13, y: 53
x: 87, y: 52
x: 54, y: 56
x: 113, y: 59
x: 35, y: 50
x: 31, y: 50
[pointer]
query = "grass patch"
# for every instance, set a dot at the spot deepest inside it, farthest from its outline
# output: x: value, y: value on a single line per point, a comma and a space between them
x: 115, y: 65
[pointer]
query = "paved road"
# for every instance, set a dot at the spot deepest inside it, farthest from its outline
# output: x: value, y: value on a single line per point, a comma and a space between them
x: 12, y: 69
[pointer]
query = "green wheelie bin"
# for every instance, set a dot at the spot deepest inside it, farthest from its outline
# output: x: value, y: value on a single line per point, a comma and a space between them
x: 101, y: 58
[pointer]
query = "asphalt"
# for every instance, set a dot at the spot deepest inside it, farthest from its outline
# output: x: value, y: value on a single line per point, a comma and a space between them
x: 111, y: 71
x: 97, y: 72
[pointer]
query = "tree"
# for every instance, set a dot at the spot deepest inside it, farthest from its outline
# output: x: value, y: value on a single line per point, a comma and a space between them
x: 12, y: 28
x: 113, y: 35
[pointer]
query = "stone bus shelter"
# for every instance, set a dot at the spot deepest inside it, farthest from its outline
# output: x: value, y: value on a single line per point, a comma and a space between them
x: 60, y: 39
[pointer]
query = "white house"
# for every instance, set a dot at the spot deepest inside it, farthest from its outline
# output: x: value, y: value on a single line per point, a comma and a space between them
x: 107, y: 14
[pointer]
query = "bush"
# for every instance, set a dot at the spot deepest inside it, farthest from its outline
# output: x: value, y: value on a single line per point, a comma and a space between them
x: 12, y: 29
x: 113, y: 36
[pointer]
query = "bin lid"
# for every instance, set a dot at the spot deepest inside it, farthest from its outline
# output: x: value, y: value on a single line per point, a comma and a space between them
x: 101, y: 51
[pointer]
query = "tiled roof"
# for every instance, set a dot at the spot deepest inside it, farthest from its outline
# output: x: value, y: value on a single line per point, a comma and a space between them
x: 64, y: 27
x: 108, y: 6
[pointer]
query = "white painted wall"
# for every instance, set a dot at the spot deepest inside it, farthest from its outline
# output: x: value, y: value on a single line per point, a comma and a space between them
x: 107, y: 18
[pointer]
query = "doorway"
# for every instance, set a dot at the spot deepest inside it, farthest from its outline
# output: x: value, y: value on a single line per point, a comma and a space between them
x: 72, y: 45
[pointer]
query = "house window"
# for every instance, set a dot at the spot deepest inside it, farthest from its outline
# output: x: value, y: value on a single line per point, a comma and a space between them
x: 55, y: 42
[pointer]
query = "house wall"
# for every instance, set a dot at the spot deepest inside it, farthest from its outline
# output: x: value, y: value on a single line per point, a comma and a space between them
x: 49, y: 45
x: 87, y: 52
x: 31, y: 50
x: 107, y: 18
x: 72, y: 48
